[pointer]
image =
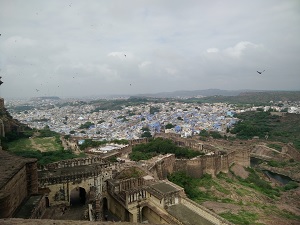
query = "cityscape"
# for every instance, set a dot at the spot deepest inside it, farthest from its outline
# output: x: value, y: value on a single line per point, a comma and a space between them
x: 149, y: 112
x: 127, y: 122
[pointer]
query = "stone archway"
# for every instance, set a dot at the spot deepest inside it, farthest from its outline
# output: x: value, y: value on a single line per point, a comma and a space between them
x: 149, y: 216
x: 77, y: 196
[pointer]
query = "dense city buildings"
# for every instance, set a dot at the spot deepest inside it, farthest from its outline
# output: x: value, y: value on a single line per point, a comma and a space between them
x: 84, y: 119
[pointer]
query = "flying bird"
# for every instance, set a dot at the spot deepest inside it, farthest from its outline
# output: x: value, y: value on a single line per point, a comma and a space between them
x: 37, y: 90
x: 261, y: 71
x: 124, y: 55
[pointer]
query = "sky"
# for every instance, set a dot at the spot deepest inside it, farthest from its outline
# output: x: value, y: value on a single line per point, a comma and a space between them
x: 72, y: 48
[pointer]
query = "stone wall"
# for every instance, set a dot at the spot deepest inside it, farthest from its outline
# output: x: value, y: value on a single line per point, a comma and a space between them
x: 163, y: 166
x: 60, y: 188
x: 77, y: 162
x: 1, y: 104
x: 212, y: 164
x: 32, y: 178
x: 13, y: 193
x: 204, y: 212
x: 39, y: 209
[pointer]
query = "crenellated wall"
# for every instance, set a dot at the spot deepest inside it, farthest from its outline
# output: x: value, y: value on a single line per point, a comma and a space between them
x: 163, y: 166
x: 212, y: 164
x: 72, y: 163
x: 196, y: 167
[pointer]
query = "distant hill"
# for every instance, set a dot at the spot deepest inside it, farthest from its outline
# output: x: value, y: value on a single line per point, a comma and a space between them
x: 234, y: 96
x: 45, y: 98
x: 255, y: 97
x: 194, y: 93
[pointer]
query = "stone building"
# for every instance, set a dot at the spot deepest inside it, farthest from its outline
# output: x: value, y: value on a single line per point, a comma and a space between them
x: 18, y: 186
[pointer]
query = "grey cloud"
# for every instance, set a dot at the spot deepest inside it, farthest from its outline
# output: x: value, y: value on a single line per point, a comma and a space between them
x: 169, y: 45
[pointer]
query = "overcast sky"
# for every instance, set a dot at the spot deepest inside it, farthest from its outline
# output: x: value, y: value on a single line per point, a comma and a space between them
x: 100, y: 47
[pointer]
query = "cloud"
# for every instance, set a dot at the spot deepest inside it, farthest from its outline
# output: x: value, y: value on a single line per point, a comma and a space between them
x: 212, y: 50
x: 144, y: 64
x: 168, y: 46
x: 240, y: 48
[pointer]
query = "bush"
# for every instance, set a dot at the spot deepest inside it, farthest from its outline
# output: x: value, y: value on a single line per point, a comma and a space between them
x: 291, y: 185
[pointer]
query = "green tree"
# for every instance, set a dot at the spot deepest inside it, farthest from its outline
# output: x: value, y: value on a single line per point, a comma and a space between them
x: 169, y: 126
x: 86, y: 125
x: 146, y: 134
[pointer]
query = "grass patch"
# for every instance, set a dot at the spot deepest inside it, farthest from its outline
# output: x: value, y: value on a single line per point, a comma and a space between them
x: 20, y: 144
x: 242, y: 192
x: 37, y: 144
x: 258, y: 184
x: 277, y: 164
x: 45, y: 150
x: 242, y: 217
x: 275, y: 146
x: 289, y: 215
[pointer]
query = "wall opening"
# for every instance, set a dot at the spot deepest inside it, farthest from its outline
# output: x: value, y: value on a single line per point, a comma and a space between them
x: 107, y: 214
x: 77, y: 196
x: 47, y: 201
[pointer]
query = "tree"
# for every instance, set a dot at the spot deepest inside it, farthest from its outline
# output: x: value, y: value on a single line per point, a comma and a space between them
x: 86, y: 125
x: 145, y: 129
x: 67, y: 137
x: 146, y: 134
x: 169, y: 126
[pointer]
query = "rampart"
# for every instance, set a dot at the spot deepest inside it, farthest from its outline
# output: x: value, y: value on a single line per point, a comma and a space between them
x: 72, y: 163
x: 211, y: 164
x: 163, y: 166
x: 219, y: 161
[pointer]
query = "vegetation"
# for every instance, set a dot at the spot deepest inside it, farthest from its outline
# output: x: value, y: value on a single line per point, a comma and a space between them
x: 243, y: 217
x: 146, y: 133
x: 217, y: 189
x: 160, y: 146
x: 86, y: 125
x: 253, y: 98
x: 291, y: 185
x: 276, y: 163
x: 154, y: 109
x: 275, y: 146
x: 283, y: 129
x: 255, y: 182
x: 169, y: 126
x: 44, y: 145
x: 189, y: 184
x: 89, y: 143
x: 47, y: 157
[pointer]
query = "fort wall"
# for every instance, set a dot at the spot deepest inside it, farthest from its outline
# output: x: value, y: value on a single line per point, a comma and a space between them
x: 212, y: 164
x: 204, y: 212
x: 13, y: 193
x: 196, y: 167
x: 163, y: 166
x: 72, y: 163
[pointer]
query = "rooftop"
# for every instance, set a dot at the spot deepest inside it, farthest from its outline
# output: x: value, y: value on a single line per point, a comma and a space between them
x: 164, y: 188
